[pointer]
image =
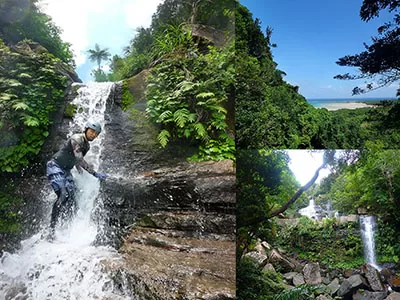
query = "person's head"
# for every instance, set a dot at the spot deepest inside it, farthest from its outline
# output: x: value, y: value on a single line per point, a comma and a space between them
x: 92, y: 130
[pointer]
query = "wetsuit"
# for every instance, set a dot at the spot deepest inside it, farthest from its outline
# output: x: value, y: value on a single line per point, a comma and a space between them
x: 58, y: 173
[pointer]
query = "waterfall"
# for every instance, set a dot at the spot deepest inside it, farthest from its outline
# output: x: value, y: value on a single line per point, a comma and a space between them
x: 70, y: 267
x: 368, y: 225
x: 312, y: 211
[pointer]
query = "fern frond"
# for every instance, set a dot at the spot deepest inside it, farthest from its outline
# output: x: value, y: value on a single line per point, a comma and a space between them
x: 181, y: 116
x: 163, y: 137
x: 20, y: 105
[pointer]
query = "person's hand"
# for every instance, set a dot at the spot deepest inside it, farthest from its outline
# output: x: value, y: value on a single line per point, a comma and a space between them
x: 100, y: 176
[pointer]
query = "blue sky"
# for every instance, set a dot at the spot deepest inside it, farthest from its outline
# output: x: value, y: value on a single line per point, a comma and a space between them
x: 311, y: 36
x: 109, y: 23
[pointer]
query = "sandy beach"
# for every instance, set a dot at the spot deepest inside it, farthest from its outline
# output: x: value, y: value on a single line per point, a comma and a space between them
x: 347, y: 105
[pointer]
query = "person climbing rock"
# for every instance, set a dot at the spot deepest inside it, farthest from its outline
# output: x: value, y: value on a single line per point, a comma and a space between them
x: 58, y: 171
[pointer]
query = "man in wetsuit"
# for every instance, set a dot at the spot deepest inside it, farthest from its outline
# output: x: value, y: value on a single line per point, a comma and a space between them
x: 58, y: 171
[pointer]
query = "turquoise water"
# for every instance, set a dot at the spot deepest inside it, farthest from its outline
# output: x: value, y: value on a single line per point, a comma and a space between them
x: 322, y: 102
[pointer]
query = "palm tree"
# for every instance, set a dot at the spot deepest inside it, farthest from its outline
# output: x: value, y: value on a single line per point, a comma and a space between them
x: 97, y: 54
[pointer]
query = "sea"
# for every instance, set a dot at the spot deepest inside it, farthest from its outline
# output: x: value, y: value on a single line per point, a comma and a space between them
x: 329, y: 102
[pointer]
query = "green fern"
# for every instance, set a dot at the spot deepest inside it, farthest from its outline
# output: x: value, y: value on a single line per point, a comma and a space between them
x: 20, y: 105
x: 163, y: 137
x: 181, y: 116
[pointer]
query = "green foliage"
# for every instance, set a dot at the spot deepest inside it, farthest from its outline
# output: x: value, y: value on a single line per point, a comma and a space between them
x: 98, y: 55
x: 127, y: 98
x: 70, y: 110
x: 264, y: 181
x: 387, y: 242
x: 9, y: 207
x: 372, y: 183
x: 187, y: 95
x: 21, y: 20
x: 309, y: 240
x: 303, y: 292
x: 253, y: 283
x: 270, y: 113
x: 30, y: 87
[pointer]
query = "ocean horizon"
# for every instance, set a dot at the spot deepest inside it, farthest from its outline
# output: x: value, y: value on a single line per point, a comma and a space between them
x: 322, y: 102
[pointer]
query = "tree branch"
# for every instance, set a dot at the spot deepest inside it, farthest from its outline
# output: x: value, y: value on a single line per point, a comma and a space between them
x: 305, y: 187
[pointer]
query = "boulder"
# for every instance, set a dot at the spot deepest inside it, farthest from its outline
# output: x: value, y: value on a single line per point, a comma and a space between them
x: 351, y: 284
x: 393, y: 296
x: 394, y: 282
x: 374, y: 278
x: 368, y: 295
x: 312, y: 274
x: 278, y: 259
x: 258, y: 258
x: 298, y: 279
x: 269, y: 267
x: 333, y: 286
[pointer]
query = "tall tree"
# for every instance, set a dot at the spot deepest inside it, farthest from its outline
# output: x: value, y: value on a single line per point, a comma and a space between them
x: 381, y: 60
x: 98, y: 55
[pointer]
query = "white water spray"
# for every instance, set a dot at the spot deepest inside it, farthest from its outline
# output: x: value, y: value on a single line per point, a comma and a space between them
x: 70, y: 267
x: 312, y: 211
x: 368, y: 225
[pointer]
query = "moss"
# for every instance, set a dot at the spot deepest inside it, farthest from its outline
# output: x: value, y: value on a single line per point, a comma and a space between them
x: 127, y: 98
x: 70, y: 110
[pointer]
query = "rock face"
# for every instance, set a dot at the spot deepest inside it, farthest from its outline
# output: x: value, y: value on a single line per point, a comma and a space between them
x: 174, y: 221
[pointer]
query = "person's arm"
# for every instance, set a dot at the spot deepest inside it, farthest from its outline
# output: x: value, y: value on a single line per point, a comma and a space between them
x: 81, y: 163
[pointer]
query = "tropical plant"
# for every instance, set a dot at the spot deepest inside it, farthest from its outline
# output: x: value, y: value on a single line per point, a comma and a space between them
x: 188, y: 93
x: 30, y: 89
x: 380, y: 61
x: 98, y: 55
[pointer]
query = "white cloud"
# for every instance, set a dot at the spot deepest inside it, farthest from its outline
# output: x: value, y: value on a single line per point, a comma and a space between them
x: 79, y: 20
x: 139, y: 12
x: 304, y: 163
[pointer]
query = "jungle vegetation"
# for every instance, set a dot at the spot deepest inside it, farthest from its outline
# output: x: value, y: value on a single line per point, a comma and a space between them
x: 270, y: 113
x: 33, y: 64
x: 190, y: 88
x: 366, y: 179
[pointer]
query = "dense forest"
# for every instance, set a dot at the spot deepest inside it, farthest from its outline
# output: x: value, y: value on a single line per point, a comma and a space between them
x: 189, y: 49
x: 360, y: 180
x: 270, y: 113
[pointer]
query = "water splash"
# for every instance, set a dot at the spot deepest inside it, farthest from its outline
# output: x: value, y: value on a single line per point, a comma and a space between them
x: 70, y: 267
x: 368, y: 226
x: 312, y: 211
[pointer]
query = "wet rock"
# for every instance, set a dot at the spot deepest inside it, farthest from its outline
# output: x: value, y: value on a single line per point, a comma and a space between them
x: 368, y: 295
x: 298, y: 279
x: 374, y: 278
x: 394, y: 282
x: 269, y: 267
x: 165, y: 264
x: 351, y: 284
x: 312, y: 273
x: 333, y: 287
x: 258, y: 258
x: 394, y: 296
x: 16, y: 292
x: 322, y: 297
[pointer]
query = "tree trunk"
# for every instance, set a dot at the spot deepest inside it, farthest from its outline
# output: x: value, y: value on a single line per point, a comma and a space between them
x: 305, y: 187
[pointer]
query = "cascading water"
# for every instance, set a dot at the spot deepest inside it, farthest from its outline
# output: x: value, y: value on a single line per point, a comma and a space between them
x: 312, y: 211
x: 368, y: 225
x: 70, y: 267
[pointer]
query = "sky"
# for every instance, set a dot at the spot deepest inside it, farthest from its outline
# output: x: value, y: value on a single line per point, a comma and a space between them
x: 311, y: 35
x: 109, y: 23
x: 304, y: 163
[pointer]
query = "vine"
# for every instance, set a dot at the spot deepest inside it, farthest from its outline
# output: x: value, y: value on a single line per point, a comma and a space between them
x: 30, y: 87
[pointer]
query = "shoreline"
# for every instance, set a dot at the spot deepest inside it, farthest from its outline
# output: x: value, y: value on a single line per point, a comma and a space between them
x: 345, y: 105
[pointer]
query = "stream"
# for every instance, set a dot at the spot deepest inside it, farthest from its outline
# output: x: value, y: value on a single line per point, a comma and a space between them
x: 71, y: 266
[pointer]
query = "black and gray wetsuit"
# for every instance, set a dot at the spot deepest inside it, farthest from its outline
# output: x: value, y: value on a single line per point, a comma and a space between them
x: 58, y: 173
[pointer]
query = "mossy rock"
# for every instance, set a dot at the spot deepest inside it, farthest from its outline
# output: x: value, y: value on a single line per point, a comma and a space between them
x: 137, y: 85
x: 71, y: 110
